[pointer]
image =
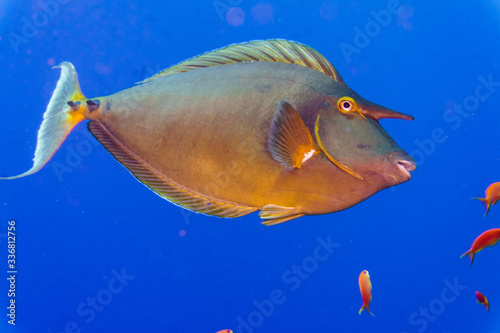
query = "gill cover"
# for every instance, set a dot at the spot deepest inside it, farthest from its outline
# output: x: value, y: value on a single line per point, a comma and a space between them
x: 341, y: 166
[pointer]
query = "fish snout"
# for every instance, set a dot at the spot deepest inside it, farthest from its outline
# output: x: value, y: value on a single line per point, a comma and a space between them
x: 404, y: 163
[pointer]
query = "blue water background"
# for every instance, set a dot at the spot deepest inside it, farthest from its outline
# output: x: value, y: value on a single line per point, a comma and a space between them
x: 78, y: 229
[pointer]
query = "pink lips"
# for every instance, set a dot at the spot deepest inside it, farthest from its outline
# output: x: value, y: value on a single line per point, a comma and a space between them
x: 406, y: 166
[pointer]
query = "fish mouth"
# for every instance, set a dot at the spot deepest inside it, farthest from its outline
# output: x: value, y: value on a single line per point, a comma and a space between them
x: 405, y: 165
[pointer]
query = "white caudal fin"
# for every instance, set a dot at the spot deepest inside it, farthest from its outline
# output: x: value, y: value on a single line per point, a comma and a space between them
x: 62, y: 114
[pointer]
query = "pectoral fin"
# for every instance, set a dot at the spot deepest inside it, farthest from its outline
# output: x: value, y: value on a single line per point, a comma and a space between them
x: 290, y: 141
x: 274, y: 214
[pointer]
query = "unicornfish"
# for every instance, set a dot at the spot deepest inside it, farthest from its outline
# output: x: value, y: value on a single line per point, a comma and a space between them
x: 265, y: 126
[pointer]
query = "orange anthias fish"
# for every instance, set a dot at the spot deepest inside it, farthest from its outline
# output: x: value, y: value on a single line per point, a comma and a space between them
x: 487, y: 238
x: 365, y: 286
x: 224, y: 331
x: 481, y: 299
x: 265, y: 126
x: 492, y: 195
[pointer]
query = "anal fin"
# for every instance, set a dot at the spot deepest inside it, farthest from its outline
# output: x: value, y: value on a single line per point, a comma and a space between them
x: 274, y: 214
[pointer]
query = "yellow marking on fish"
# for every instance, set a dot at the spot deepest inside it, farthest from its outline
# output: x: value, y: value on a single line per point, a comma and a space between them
x: 348, y: 105
x: 330, y: 157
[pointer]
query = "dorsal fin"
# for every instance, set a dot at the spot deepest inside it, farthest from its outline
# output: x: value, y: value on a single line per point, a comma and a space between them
x: 160, y: 184
x: 276, y: 50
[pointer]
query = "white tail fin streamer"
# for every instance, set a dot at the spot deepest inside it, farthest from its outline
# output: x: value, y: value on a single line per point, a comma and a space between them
x: 59, y: 118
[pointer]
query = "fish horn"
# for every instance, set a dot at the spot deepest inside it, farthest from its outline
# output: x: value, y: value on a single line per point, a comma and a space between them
x: 62, y: 114
x: 378, y: 112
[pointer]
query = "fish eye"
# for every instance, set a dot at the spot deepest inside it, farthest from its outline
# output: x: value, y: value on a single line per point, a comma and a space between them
x: 346, y: 104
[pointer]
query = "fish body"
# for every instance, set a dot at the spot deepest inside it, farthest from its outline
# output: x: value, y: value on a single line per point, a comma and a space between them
x: 481, y: 299
x: 230, y: 139
x: 491, y: 196
x: 487, y: 238
x: 365, y: 287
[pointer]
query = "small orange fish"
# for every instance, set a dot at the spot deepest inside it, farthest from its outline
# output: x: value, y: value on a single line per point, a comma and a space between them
x: 492, y: 195
x: 224, y: 331
x: 487, y: 238
x: 481, y: 299
x: 365, y: 286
